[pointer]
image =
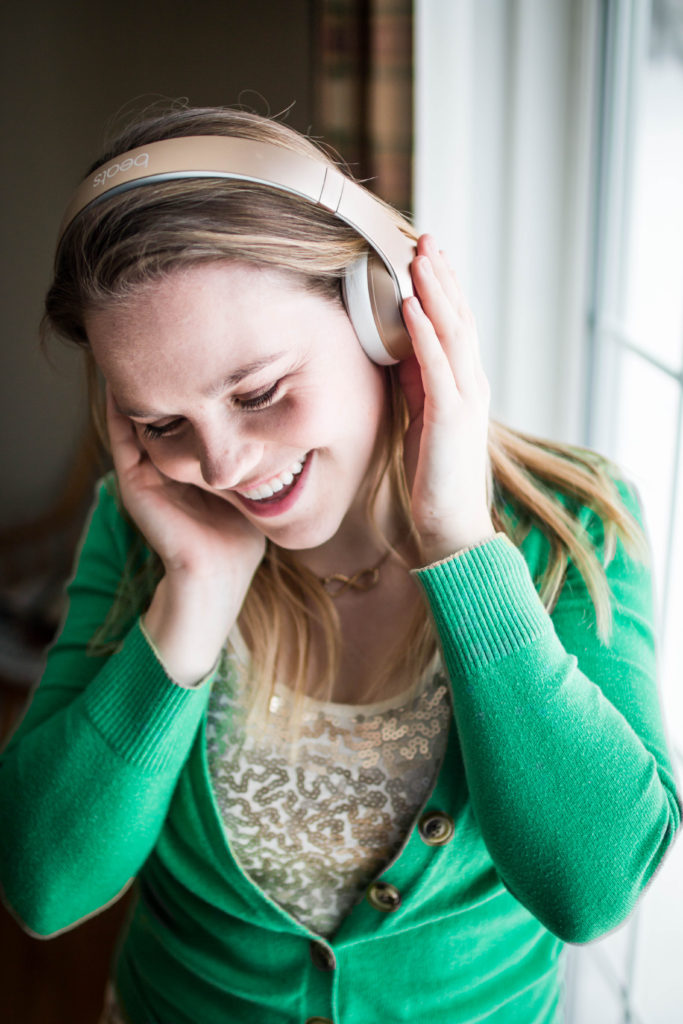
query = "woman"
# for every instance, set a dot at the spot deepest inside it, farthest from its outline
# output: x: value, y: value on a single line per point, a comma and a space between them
x: 358, y: 685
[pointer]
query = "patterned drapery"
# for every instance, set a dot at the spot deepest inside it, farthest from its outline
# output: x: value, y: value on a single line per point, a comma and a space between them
x: 363, y: 90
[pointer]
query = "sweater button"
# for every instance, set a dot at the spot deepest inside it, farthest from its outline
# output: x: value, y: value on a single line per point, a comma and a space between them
x: 384, y: 896
x: 436, y: 828
x: 323, y: 958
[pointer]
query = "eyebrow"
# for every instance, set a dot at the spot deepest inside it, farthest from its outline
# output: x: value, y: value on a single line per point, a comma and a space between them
x: 217, y: 389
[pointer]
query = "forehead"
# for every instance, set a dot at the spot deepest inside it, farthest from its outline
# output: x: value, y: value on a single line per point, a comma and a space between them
x: 242, y: 308
x: 197, y: 295
x: 204, y: 323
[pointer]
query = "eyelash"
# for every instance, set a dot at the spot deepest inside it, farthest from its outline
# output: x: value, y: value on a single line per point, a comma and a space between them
x: 262, y: 400
x: 152, y: 433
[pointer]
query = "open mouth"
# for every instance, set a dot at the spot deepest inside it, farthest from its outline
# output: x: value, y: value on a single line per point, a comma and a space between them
x: 282, y: 500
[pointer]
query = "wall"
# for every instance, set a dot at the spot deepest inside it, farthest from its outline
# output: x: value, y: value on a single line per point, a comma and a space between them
x: 67, y: 69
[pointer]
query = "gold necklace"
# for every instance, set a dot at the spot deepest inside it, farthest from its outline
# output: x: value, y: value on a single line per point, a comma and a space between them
x: 363, y: 580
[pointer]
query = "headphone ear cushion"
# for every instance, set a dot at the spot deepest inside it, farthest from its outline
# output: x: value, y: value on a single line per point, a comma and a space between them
x: 373, y: 305
x: 356, y: 292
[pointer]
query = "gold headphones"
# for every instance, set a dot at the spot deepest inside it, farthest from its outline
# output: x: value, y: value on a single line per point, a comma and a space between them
x: 374, y: 286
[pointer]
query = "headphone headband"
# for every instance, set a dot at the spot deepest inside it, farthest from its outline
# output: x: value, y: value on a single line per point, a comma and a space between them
x: 218, y: 156
x: 373, y: 287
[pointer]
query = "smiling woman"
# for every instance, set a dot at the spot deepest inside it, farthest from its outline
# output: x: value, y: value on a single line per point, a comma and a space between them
x: 228, y: 405
x: 357, y: 683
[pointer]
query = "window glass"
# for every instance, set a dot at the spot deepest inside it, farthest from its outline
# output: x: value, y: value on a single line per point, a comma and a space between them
x: 646, y: 415
x: 672, y: 649
x: 640, y: 335
x: 654, y: 275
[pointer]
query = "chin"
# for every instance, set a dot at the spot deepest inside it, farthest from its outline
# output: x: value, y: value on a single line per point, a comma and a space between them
x: 311, y: 530
x: 298, y: 538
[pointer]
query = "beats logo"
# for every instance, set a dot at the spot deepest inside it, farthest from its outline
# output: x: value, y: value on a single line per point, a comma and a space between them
x: 142, y: 160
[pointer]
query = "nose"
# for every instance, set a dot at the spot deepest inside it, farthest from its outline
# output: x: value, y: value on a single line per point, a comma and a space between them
x: 224, y: 462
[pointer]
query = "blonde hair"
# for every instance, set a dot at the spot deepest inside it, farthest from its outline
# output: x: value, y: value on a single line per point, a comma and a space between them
x: 126, y: 241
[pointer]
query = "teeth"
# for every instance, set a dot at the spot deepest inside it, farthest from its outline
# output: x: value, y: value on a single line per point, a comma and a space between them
x: 277, y: 483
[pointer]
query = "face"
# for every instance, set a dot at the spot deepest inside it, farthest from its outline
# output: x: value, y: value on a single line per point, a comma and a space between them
x: 240, y: 382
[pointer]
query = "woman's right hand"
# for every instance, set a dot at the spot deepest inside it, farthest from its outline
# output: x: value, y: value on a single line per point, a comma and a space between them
x: 209, y: 550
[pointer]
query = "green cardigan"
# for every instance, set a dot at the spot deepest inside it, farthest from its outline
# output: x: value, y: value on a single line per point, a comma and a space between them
x: 556, y: 776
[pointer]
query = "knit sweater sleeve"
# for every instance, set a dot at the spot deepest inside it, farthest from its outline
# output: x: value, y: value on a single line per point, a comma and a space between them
x: 562, y: 737
x: 87, y: 777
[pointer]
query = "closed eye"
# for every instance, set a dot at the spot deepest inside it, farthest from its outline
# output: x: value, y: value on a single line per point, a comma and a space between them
x: 152, y: 433
x: 260, y: 401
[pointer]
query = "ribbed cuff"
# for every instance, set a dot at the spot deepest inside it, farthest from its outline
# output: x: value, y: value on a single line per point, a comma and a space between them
x: 140, y: 711
x: 484, y: 603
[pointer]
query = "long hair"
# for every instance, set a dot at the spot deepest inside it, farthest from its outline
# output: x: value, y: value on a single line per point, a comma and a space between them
x: 129, y: 240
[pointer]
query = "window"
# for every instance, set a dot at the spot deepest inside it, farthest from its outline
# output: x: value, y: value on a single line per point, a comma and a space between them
x: 635, y: 415
x: 636, y: 409
x: 523, y: 111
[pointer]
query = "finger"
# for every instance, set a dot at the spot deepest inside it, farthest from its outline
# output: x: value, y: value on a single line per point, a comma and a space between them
x: 438, y: 382
x: 446, y: 276
x: 444, y: 272
x: 451, y: 329
x: 126, y: 450
x: 454, y: 290
x: 431, y: 292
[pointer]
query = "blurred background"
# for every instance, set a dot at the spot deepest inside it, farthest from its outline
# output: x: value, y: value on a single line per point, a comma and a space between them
x: 541, y: 141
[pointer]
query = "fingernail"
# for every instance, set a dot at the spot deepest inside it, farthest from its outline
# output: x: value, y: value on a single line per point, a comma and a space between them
x: 426, y: 266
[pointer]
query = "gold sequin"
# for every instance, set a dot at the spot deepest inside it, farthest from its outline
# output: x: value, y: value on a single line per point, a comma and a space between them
x: 313, y: 833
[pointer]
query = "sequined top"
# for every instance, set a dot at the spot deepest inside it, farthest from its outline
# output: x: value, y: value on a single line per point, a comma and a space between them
x: 314, y: 830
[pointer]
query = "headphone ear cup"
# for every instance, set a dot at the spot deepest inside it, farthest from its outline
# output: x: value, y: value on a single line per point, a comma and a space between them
x: 373, y: 305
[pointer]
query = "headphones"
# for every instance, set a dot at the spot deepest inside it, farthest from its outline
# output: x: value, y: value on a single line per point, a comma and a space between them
x: 373, y: 287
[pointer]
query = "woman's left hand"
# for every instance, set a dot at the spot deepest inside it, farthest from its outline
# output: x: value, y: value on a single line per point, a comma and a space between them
x: 448, y: 397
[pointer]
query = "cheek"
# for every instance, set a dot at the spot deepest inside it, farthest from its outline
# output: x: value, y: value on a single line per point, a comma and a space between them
x: 348, y: 410
x: 170, y: 459
x: 364, y: 402
x: 302, y: 420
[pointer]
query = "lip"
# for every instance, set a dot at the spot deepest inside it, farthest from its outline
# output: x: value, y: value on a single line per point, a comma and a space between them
x: 276, y: 507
